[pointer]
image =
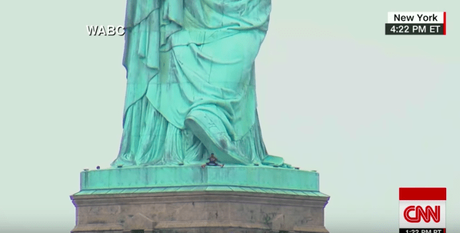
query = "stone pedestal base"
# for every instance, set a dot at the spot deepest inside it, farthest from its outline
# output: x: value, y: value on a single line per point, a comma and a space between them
x: 199, y: 212
x: 191, y: 199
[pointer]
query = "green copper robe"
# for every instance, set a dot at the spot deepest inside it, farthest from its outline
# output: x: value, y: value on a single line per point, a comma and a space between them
x: 191, y: 86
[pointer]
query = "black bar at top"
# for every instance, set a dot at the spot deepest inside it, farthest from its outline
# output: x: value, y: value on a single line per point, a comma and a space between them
x: 422, y: 230
x: 414, y: 29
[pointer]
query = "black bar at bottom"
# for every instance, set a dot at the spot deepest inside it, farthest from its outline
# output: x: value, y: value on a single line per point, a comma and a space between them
x: 422, y: 230
x: 414, y: 29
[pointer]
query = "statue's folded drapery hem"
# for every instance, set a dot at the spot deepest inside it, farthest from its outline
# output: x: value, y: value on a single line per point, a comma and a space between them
x: 147, y: 145
x: 191, y: 82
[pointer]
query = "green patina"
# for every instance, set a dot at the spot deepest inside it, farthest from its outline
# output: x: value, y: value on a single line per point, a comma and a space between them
x: 191, y: 92
x: 191, y: 83
x: 194, y: 178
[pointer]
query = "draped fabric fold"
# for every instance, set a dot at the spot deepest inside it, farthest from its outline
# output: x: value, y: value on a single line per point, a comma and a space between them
x: 191, y: 81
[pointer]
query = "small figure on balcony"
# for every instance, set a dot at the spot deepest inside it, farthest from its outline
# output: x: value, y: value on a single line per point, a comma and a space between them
x: 212, y: 162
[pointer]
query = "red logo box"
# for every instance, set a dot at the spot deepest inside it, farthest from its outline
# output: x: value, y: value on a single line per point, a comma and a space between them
x: 422, y: 210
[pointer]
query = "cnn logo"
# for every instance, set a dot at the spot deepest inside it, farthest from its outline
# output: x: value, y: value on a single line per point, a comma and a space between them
x: 422, y: 208
x: 419, y: 213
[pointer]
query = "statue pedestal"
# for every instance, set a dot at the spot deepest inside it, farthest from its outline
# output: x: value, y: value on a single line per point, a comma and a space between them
x: 194, y: 199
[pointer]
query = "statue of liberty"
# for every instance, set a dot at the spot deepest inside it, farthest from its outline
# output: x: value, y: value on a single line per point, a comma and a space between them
x: 191, y: 82
x: 192, y: 158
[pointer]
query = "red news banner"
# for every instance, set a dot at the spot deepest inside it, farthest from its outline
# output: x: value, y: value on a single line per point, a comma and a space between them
x: 422, y: 210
